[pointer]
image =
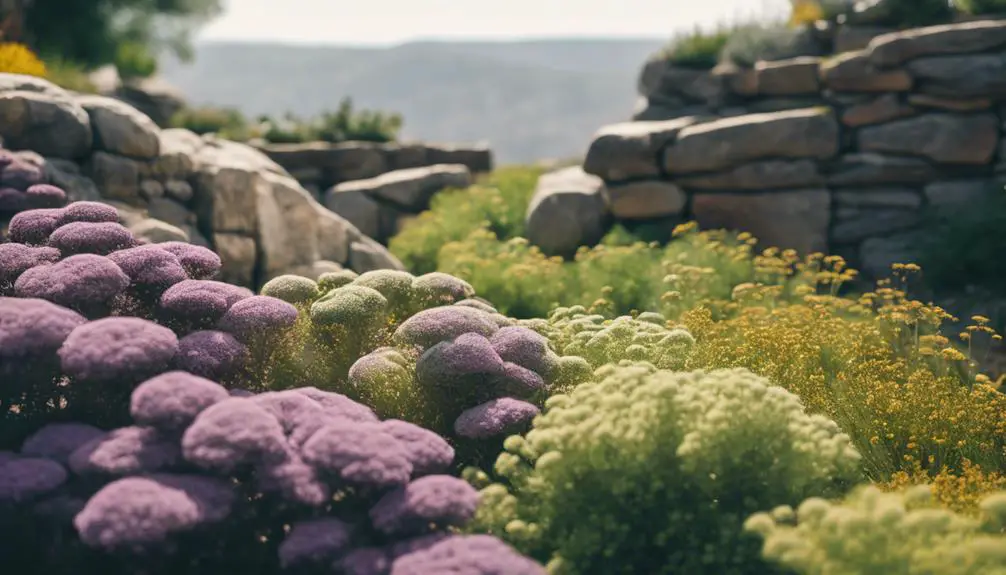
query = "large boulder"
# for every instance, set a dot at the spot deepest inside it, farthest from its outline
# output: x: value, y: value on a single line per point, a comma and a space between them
x: 52, y: 125
x: 120, y: 128
x: 567, y: 211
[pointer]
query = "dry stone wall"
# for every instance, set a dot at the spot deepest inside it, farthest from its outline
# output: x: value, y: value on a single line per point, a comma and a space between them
x: 319, y: 166
x: 846, y: 153
x: 174, y: 185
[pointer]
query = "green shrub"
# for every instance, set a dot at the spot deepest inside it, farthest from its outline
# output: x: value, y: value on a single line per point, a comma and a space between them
x: 345, y: 124
x: 134, y: 61
x: 698, y: 49
x: 966, y: 245
x: 648, y: 471
x: 69, y: 75
x: 227, y: 123
x: 767, y: 42
x: 894, y: 534
x: 981, y: 7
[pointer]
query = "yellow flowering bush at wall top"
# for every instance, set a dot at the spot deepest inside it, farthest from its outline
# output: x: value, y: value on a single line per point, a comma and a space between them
x: 19, y: 59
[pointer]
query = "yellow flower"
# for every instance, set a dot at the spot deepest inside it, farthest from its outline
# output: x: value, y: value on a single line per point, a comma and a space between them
x: 19, y: 59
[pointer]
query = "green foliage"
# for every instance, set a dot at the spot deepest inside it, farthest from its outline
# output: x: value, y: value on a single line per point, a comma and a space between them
x: 227, y: 123
x: 966, y: 244
x: 69, y: 75
x: 133, y: 60
x: 885, y: 533
x: 650, y: 471
x: 345, y: 124
x: 294, y: 289
x: 573, y: 331
x: 495, y: 204
x: 756, y: 42
x: 92, y: 33
x: 697, y: 49
x: 981, y: 7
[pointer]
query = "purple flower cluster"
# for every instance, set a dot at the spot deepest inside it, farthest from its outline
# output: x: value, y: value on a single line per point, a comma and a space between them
x: 357, y: 494
x: 23, y: 187
x: 480, y: 373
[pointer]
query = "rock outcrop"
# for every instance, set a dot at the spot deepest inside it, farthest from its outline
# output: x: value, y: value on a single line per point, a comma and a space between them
x: 173, y: 184
x: 840, y: 153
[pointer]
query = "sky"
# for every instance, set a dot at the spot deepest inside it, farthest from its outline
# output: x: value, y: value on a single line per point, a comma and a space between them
x: 387, y: 22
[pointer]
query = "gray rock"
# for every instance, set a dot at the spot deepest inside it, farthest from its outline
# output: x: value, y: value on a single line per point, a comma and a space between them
x: 156, y: 231
x: 170, y: 211
x: 790, y: 77
x: 877, y: 169
x: 66, y: 174
x: 237, y: 254
x: 878, y: 197
x: 644, y: 199
x: 24, y: 83
x: 367, y: 255
x: 896, y: 48
x: 151, y: 189
x: 631, y: 149
x: 478, y: 159
x: 763, y: 175
x: 961, y: 77
x: 121, y: 129
x: 877, y: 111
x: 177, y: 152
x: 410, y: 189
x: 117, y: 178
x: 358, y: 208
x: 287, y: 226
x: 855, y: 224
x: 179, y: 190
x: 567, y: 211
x: 854, y: 72
x: 796, y: 219
x: 939, y: 137
x: 808, y: 133
x: 226, y: 198
x: 956, y: 195
x: 51, y: 125
x: 877, y: 255
x: 334, y: 235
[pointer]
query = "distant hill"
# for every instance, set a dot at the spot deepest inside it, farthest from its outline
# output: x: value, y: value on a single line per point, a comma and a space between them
x: 530, y: 100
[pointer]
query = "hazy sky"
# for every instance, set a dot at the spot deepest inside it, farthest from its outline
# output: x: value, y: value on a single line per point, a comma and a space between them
x: 394, y: 21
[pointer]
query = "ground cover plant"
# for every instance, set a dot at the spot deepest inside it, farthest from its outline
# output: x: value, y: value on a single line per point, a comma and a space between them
x: 695, y: 407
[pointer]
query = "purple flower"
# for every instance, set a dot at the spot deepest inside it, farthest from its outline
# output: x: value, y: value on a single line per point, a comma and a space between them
x: 258, y: 317
x: 430, y: 327
x: 172, y: 400
x: 468, y: 360
x: 45, y: 196
x: 12, y: 200
x: 126, y: 349
x: 428, y: 452
x: 33, y: 227
x: 287, y: 406
x: 233, y: 433
x: 468, y: 554
x: 95, y: 212
x: 406, y: 546
x: 136, y: 512
x: 524, y: 347
x: 339, y: 405
x: 15, y: 259
x: 294, y: 480
x: 91, y: 238
x: 6, y: 456
x: 503, y: 416
x: 200, y: 263
x: 20, y: 174
x: 201, y: 302
x: 477, y: 304
x: 26, y: 478
x: 150, y: 268
x: 358, y: 453
x: 57, y: 441
x: 441, y: 500
x: 78, y: 282
x: 31, y: 332
x: 516, y: 381
x: 438, y: 288
x: 211, y: 354
x: 126, y: 451
x: 314, y: 542
x: 366, y: 561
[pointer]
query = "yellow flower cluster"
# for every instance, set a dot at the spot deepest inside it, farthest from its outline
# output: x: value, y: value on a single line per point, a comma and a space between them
x: 19, y: 59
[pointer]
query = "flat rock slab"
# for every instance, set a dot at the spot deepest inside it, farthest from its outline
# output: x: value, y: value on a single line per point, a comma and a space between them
x: 939, y: 137
x: 796, y: 219
x: 121, y: 129
x: 410, y: 189
x: 896, y: 48
x: 631, y: 149
x: 645, y: 199
x: 805, y: 133
x: 51, y: 125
